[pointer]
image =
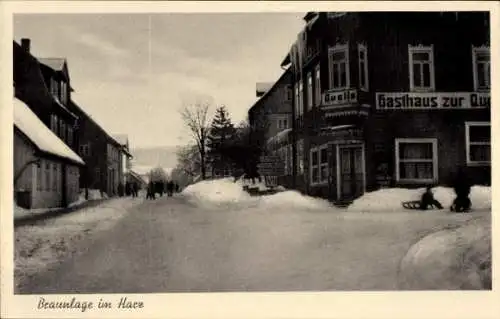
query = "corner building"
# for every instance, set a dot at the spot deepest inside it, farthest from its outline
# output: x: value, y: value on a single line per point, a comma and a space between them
x: 390, y: 99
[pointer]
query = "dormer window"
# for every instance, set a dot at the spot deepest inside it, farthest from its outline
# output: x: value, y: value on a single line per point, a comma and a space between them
x: 64, y: 92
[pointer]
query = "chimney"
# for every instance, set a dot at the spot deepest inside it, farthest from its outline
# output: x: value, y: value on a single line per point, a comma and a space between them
x: 25, y: 44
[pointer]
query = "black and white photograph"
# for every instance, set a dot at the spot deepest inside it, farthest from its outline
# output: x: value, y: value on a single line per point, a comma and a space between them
x: 248, y: 152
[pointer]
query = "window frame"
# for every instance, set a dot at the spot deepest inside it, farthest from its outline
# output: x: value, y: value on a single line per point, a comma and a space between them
x: 435, y: 161
x: 322, y: 180
x: 475, y: 52
x: 468, y: 143
x: 85, y: 149
x: 317, y: 85
x: 331, y: 51
x: 310, y: 102
x: 363, y: 48
x: 422, y: 49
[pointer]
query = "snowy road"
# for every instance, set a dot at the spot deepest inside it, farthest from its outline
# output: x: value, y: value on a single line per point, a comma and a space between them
x: 171, y: 245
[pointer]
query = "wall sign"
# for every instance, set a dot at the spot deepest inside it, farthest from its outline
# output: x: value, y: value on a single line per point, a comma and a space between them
x: 336, y: 98
x: 432, y: 100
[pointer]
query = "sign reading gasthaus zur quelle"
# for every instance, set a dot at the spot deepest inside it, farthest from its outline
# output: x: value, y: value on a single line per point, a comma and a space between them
x: 432, y: 100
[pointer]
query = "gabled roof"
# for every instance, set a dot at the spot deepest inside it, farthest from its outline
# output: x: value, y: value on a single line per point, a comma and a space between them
x: 40, y: 135
x: 262, y: 87
x: 269, y: 91
x: 56, y: 64
x: 121, y: 138
x: 87, y: 116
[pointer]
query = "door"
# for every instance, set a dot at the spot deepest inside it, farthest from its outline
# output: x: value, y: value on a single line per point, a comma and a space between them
x: 351, y: 179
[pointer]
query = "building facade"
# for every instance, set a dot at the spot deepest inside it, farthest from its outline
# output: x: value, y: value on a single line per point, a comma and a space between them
x: 271, y: 116
x: 46, y: 169
x: 101, y: 152
x: 379, y: 102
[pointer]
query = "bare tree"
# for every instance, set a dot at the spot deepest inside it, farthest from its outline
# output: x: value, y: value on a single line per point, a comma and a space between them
x: 188, y: 160
x: 195, y: 116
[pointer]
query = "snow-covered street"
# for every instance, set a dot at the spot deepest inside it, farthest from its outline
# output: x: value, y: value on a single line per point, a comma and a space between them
x: 41, y: 246
x: 226, y: 241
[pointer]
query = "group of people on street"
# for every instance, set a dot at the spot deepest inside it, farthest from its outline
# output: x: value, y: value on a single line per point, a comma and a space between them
x: 161, y: 188
x: 130, y: 189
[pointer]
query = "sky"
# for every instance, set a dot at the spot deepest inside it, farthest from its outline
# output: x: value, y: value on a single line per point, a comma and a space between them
x: 134, y: 72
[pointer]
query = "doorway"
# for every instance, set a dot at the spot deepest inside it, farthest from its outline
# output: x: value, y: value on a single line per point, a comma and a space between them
x: 350, y: 171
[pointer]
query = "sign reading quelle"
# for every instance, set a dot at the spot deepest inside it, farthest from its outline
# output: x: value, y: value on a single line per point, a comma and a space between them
x: 432, y: 100
x: 336, y: 98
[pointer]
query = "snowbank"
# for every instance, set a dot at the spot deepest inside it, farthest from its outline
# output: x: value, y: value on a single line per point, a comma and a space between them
x: 217, y: 191
x: 81, y: 199
x: 225, y: 191
x: 295, y: 200
x: 453, y: 258
x: 390, y: 199
x: 95, y: 194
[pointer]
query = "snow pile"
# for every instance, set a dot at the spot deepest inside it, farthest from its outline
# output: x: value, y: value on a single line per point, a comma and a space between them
x: 452, y: 258
x: 391, y: 199
x: 20, y: 212
x: 217, y: 191
x: 81, y: 199
x: 294, y: 200
x: 95, y: 194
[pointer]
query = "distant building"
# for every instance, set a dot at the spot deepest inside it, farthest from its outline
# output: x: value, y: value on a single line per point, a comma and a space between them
x: 101, y: 152
x: 384, y: 99
x: 46, y: 169
x: 271, y: 116
x: 126, y: 156
x: 134, y: 177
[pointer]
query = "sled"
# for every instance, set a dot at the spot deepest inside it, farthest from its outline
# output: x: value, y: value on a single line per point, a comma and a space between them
x: 416, y: 204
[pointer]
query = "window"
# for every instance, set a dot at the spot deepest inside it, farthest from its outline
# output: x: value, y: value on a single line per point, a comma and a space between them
x: 63, y: 92
x: 421, y: 68
x: 319, y: 164
x: 85, y: 149
x: 70, y: 136
x: 300, y: 157
x: 309, y: 91
x: 282, y: 123
x: 301, y: 99
x: 416, y: 160
x: 296, y: 101
x: 62, y: 129
x: 338, y: 56
x: 478, y: 143
x: 39, y: 179
x: 481, y: 68
x: 54, y: 176
x: 317, y: 85
x: 363, y: 67
x: 54, y: 123
x: 46, y: 185
x: 54, y: 87
x: 288, y: 93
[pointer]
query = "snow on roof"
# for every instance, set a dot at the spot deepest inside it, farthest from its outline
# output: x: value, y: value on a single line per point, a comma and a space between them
x: 28, y: 123
x: 280, y: 137
x: 56, y: 64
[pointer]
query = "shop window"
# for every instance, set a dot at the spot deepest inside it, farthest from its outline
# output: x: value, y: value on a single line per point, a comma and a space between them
x: 363, y: 67
x: 338, y: 57
x: 421, y: 63
x: 416, y: 160
x: 481, y: 68
x: 319, y: 165
x: 478, y: 143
